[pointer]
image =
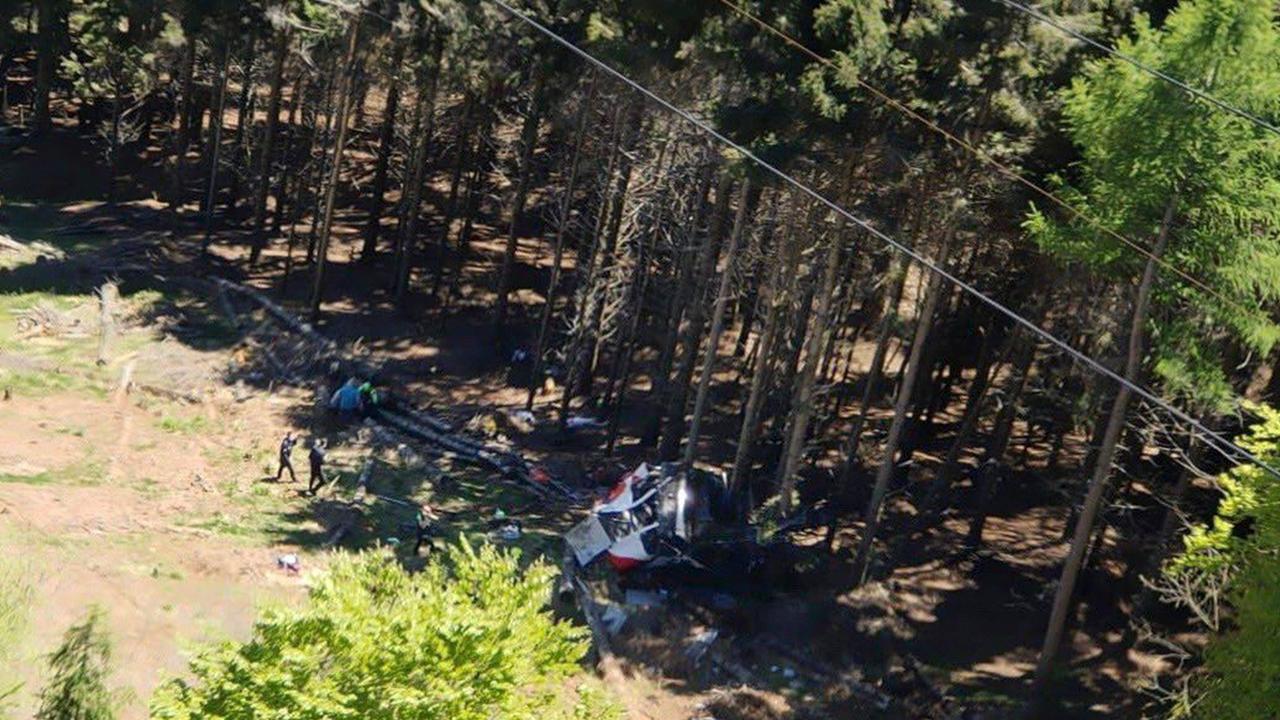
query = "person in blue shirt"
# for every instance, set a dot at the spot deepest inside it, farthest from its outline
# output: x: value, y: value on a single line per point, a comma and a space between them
x: 346, y: 399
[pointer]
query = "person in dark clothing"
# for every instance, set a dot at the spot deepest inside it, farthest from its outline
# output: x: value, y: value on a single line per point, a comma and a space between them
x: 316, y: 456
x: 286, y: 451
x: 426, y: 528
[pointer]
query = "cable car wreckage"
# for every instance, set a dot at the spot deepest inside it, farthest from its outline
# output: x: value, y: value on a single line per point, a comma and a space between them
x: 660, y: 516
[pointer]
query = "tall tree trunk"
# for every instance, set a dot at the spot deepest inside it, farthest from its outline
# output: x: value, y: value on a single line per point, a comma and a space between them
x: 411, y: 193
x: 280, y: 189
x: 1102, y: 466
x: 622, y: 358
x: 717, y: 322
x: 244, y: 118
x: 691, y: 338
x: 339, y: 146
x: 458, y: 178
x: 51, y: 20
x: 215, y: 146
x: 750, y: 305
x: 680, y: 299
x: 1002, y: 431
x: 622, y: 367
x: 386, y: 143
x: 113, y: 145
x: 481, y: 162
x: 528, y: 144
x: 562, y: 224
x: 612, y: 228
x: 897, y: 275
x: 871, y: 518
x: 802, y: 404
x: 593, y: 259
x: 777, y: 295
x: 941, y: 485
x: 1151, y: 563
x: 263, y: 175
x: 183, y: 133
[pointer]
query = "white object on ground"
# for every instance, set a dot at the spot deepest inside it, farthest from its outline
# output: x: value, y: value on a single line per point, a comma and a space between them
x: 581, y: 421
x: 613, y: 617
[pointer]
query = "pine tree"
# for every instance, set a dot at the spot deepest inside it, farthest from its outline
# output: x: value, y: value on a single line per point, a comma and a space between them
x: 1155, y: 158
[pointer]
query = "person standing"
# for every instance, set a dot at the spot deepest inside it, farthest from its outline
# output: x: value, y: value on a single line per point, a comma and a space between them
x: 286, y: 452
x: 426, y: 527
x: 316, y: 456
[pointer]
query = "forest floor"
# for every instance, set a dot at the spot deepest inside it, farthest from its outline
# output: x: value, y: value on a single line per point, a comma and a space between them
x: 157, y: 510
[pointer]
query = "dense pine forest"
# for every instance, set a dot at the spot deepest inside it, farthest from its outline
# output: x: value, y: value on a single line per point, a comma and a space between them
x: 974, y: 304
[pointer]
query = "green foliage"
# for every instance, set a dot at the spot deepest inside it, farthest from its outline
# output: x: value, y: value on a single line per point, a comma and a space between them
x: 79, y: 668
x: 112, y: 61
x: 466, y: 638
x: 16, y: 595
x: 1213, y: 545
x: 594, y: 704
x: 1148, y: 147
x: 1244, y: 664
x: 184, y: 426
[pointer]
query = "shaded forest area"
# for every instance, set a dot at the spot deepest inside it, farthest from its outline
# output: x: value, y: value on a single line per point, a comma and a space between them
x: 509, y: 226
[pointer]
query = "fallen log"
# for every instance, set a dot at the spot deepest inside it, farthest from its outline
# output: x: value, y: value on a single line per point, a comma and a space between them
x: 168, y: 394
x: 404, y: 418
x: 292, y: 322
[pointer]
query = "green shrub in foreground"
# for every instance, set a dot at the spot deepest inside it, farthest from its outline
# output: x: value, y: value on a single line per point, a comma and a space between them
x: 77, y: 689
x: 467, y: 638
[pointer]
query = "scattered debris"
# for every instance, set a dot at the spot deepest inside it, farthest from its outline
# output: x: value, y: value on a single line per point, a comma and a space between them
x: 700, y: 644
x: 613, y: 617
x: 607, y: 663
x: 483, y: 424
x: 645, y: 598
x: 578, y: 422
x: 522, y: 420
x: 45, y: 319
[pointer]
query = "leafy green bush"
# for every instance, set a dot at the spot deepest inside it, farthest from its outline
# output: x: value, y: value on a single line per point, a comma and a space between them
x: 79, y: 667
x: 467, y: 638
x: 1242, y: 678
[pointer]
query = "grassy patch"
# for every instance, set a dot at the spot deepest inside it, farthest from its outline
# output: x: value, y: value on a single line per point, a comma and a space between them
x: 31, y: 384
x: 184, y: 425
x: 16, y: 598
x: 85, y: 472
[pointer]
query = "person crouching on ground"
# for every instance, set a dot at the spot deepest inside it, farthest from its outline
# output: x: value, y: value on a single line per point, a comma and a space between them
x: 370, y: 398
x: 346, y: 399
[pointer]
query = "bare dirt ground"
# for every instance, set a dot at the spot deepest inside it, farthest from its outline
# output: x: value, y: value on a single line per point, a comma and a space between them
x: 107, y: 503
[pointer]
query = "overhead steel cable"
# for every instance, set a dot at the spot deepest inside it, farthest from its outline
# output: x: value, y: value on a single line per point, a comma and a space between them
x: 1004, y: 169
x: 1218, y: 442
x: 1125, y: 57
